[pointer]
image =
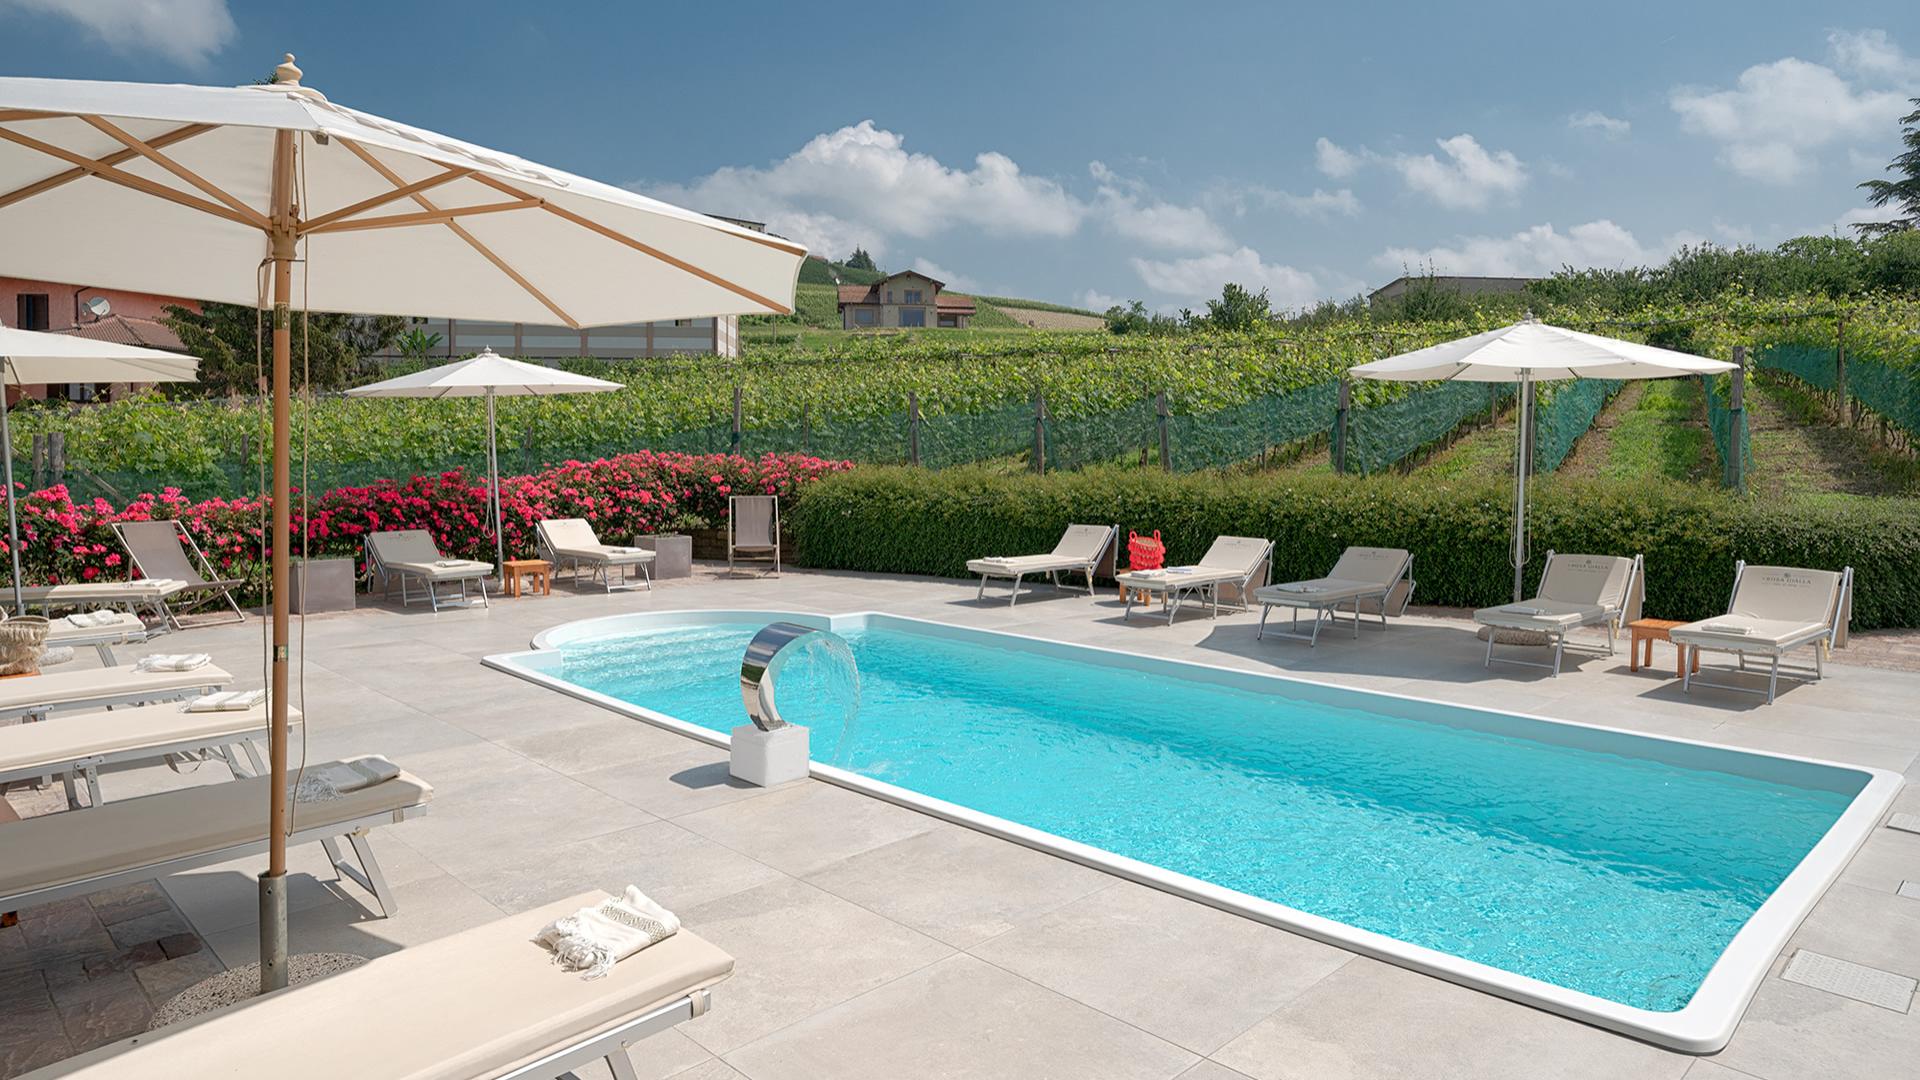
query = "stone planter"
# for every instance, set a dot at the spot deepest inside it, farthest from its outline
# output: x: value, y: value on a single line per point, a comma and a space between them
x: 329, y: 586
x: 673, y: 554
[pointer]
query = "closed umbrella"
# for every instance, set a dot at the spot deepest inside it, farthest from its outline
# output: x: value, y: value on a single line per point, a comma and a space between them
x: 487, y: 375
x: 1525, y: 353
x: 28, y: 357
x: 242, y: 194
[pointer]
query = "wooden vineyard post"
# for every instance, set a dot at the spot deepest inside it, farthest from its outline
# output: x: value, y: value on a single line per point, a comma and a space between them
x: 1040, y: 434
x: 913, y: 428
x: 733, y: 441
x: 1160, y: 421
x: 1736, y: 422
x: 1340, y: 425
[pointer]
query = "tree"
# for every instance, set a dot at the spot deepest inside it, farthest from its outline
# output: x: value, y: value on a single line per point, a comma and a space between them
x: 860, y: 260
x: 1134, y: 318
x: 1904, y: 193
x: 223, y: 337
x: 1239, y: 308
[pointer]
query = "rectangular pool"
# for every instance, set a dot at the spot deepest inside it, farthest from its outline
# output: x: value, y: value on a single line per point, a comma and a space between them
x: 1612, y: 876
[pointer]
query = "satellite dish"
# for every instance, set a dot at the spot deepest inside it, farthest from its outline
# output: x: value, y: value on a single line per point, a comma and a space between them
x: 99, y: 307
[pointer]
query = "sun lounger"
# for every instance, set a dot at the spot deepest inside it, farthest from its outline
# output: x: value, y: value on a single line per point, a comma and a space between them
x: 40, y: 696
x: 1575, y: 591
x: 147, y: 594
x: 165, y: 550
x: 410, y: 555
x: 125, y: 628
x: 84, y: 745
x: 54, y: 856
x: 1773, y: 611
x: 1368, y: 578
x: 572, y: 540
x: 484, y: 1003
x: 1086, y: 549
x: 1231, y: 561
x: 753, y: 530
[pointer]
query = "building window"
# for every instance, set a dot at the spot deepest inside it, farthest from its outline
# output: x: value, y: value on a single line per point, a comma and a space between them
x: 864, y: 316
x: 913, y: 297
x: 913, y: 316
x: 950, y: 320
x: 889, y: 296
x: 32, y: 312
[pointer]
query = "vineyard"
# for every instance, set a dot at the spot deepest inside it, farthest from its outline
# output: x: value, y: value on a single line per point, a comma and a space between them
x: 1185, y: 402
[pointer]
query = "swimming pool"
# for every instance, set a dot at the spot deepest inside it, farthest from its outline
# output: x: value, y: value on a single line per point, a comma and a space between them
x: 1641, y: 883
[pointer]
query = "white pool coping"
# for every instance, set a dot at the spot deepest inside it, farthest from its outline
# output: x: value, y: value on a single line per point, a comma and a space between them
x: 1703, y: 1026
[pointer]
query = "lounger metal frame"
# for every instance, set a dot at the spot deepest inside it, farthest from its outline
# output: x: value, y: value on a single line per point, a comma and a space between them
x: 355, y: 831
x: 1327, y: 614
x: 375, y: 565
x: 1089, y: 568
x: 1821, y: 640
x: 1612, y: 620
x: 1171, y: 590
x: 211, y: 584
x: 611, y: 1044
x: 229, y: 748
x: 42, y: 710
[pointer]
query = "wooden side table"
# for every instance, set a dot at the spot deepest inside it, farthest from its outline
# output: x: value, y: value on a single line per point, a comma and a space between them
x: 539, y: 570
x: 1644, y: 632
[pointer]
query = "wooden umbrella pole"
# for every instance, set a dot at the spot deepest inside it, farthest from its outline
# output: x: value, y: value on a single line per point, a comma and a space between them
x: 273, y: 897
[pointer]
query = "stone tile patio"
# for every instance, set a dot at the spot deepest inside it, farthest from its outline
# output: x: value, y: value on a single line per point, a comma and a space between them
x: 873, y: 941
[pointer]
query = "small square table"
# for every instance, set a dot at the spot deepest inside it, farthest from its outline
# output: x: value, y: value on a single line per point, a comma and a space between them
x: 1644, y: 632
x: 518, y: 571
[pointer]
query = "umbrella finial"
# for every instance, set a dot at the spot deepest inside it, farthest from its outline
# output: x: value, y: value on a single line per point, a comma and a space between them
x: 287, y: 74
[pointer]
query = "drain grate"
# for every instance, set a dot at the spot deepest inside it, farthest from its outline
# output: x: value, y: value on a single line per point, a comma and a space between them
x: 1905, y: 822
x: 1850, y: 980
x: 1910, y: 890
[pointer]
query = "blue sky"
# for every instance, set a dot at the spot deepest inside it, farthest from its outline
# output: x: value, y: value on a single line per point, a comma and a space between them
x: 1092, y: 152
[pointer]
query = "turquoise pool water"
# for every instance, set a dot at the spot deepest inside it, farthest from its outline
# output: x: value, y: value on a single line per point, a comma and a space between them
x: 1616, y: 875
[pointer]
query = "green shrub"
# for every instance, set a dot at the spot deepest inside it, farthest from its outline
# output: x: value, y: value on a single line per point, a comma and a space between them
x: 912, y: 521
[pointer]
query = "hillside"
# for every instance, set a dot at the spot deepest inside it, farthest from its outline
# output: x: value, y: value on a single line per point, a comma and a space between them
x: 816, y: 307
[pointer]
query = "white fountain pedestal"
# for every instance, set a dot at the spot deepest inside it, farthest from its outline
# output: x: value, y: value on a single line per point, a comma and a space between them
x: 766, y: 758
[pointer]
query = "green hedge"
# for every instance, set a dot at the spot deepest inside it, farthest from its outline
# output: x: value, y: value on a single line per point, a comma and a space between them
x: 913, y: 521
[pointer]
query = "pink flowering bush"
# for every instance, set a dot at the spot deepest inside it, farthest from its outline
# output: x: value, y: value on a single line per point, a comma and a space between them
x: 624, y: 496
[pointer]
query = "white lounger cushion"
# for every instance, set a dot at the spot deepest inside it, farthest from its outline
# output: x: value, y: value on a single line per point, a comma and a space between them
x: 124, y: 625
x: 56, y: 849
x: 25, y: 747
x: 1761, y: 635
x: 1079, y: 546
x: 478, y: 1003
x: 1779, y: 606
x: 77, y: 687
x: 101, y: 592
x: 456, y: 569
x: 1231, y: 558
x: 1576, y: 590
x: 1360, y: 571
x: 574, y: 538
x: 1537, y: 613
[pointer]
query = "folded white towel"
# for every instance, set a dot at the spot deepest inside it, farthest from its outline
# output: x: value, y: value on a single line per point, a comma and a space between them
x: 1726, y: 628
x: 1181, y: 569
x: 86, y: 620
x: 1300, y: 587
x: 174, y: 661
x: 450, y: 562
x: 1147, y: 573
x: 324, y: 783
x: 227, y: 701
x: 160, y: 583
x: 1522, y: 609
x: 593, y: 939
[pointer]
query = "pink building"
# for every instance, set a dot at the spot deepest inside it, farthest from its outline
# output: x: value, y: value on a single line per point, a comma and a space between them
x: 133, y: 319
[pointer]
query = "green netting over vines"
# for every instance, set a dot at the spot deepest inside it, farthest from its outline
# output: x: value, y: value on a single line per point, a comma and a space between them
x: 1720, y: 418
x: 1810, y: 364
x: 1890, y: 390
x: 877, y: 440
x: 962, y: 438
x: 1381, y: 436
x: 1564, y: 414
x: 1242, y: 432
x: 1075, y: 442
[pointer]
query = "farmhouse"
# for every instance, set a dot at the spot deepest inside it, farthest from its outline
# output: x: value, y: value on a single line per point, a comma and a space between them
x: 906, y: 299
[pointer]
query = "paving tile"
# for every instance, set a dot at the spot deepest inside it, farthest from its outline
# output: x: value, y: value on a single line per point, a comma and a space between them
x: 115, y: 1010
x: 1850, y: 980
x: 163, y: 980
x: 797, y: 950
x: 1871, y: 926
x: 428, y: 909
x: 29, y: 1041
x: 675, y: 867
x: 127, y: 959
x: 805, y: 826
x: 1155, y: 961
x: 958, y: 885
x: 148, y: 928
x: 1211, y: 1070
x: 591, y: 747
x: 960, y: 1017
x: 1382, y: 1022
x: 684, y: 782
x: 128, y: 902
x: 1794, y: 1032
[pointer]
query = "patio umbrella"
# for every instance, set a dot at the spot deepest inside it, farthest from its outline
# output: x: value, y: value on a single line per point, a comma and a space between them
x: 1525, y: 353
x: 225, y: 193
x: 28, y: 357
x: 487, y: 375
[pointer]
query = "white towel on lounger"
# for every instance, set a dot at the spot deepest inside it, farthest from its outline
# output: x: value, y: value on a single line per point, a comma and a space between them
x: 174, y: 661
x: 86, y: 620
x: 227, y: 701
x: 1521, y: 609
x: 1726, y: 628
x: 1301, y: 587
x: 324, y: 783
x: 593, y: 939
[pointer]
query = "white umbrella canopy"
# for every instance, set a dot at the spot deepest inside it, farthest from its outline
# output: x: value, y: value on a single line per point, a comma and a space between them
x: 29, y: 357
x: 487, y: 375
x: 261, y: 194
x: 1525, y: 353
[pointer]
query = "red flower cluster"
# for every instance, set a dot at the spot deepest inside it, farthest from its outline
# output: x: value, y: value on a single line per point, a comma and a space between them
x: 624, y: 496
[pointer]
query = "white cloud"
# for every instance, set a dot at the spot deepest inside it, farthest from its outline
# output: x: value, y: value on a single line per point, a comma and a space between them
x: 1335, y: 160
x: 1776, y: 115
x: 1468, y: 179
x: 859, y: 185
x: 1536, y: 251
x: 955, y: 281
x: 1203, y: 276
x: 1595, y: 120
x: 1126, y: 207
x: 187, y: 32
x: 1320, y: 204
x: 1095, y: 300
x: 1863, y: 215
